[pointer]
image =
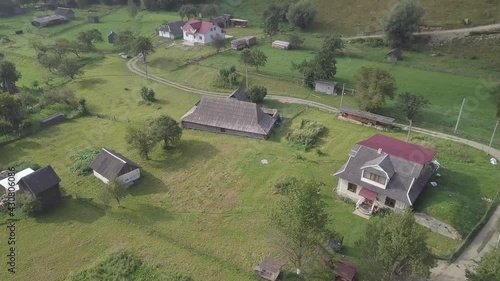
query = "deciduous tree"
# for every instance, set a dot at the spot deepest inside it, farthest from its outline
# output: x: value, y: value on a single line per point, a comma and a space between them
x: 302, y: 220
x: 116, y: 189
x: 374, y: 86
x: 11, y: 110
x: 495, y: 93
x: 147, y: 94
x: 257, y: 94
x: 295, y: 41
x: 488, y: 268
x: 70, y: 68
x: 165, y: 128
x: 125, y: 41
x: 411, y: 104
x: 301, y: 14
x: 396, y: 248
x: 271, y: 25
x: 218, y: 42
x: 9, y: 76
x: 132, y: 9
x: 138, y: 138
x: 50, y: 60
x: 187, y: 11
x: 404, y: 19
x: 89, y: 37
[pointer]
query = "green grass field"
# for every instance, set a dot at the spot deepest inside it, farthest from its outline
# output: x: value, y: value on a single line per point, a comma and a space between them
x: 360, y: 17
x: 203, y: 209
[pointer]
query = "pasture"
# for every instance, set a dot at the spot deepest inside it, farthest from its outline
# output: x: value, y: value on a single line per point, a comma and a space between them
x: 203, y: 209
x: 212, y: 188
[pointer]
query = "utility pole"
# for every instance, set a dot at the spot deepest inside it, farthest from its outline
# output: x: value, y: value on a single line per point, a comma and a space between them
x: 492, y: 137
x: 459, y: 115
x: 342, y: 96
x: 246, y: 77
x: 409, y: 130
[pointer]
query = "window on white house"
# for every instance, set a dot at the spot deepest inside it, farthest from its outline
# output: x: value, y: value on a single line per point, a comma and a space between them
x: 389, y: 202
x: 374, y: 177
x: 352, y: 187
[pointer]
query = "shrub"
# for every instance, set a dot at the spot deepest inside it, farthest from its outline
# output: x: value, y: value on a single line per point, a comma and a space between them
x: 306, y: 135
x: 147, y: 94
x: 28, y: 204
x: 301, y: 14
x: 60, y: 95
x: 228, y: 78
x: 295, y: 41
x: 20, y: 165
x: 82, y: 160
x: 285, y: 185
x: 5, y: 127
x: 257, y: 94
x: 25, y: 124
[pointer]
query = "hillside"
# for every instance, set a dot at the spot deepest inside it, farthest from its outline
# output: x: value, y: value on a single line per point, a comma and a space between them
x: 358, y: 17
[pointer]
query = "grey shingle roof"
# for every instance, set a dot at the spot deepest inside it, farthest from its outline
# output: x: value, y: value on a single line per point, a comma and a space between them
x: 111, y: 164
x: 403, y: 173
x: 41, y: 180
x: 50, y: 18
x: 232, y: 114
x: 239, y: 94
x: 63, y: 11
x: 173, y: 27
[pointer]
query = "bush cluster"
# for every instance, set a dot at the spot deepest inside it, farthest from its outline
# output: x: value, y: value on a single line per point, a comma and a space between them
x: 307, y: 135
x: 82, y: 160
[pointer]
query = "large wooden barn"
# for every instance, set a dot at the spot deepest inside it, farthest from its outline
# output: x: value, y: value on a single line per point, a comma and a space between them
x: 231, y: 116
x: 49, y: 21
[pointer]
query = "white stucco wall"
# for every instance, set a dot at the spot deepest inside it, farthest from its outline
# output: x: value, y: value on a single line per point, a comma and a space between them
x: 126, y: 178
x: 342, y: 191
x: 165, y: 34
x: 131, y: 176
x: 99, y: 176
x: 205, y: 38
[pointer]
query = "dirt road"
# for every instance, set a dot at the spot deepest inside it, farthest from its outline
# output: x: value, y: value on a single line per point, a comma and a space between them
x: 444, y: 271
x: 448, y: 33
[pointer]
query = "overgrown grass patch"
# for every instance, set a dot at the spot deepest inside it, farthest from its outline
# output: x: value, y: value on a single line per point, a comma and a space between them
x: 306, y: 135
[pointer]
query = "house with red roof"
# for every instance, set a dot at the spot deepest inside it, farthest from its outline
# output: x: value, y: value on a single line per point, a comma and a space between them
x: 201, y: 32
x: 384, y: 172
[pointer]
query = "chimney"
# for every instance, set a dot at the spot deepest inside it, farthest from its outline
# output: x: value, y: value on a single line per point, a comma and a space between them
x: 379, y: 151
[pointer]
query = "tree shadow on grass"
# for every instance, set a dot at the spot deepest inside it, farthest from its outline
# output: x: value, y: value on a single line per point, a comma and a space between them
x: 184, y: 155
x: 148, y: 184
x: 89, y: 83
x: 145, y: 213
x: 82, y: 210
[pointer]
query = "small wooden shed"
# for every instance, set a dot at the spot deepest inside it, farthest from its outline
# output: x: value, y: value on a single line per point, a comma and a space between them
x: 395, y: 55
x: 112, y: 37
x: 344, y: 271
x: 281, y: 45
x: 93, y: 19
x: 239, y: 22
x: 52, y: 119
x: 366, y: 118
x: 242, y: 43
x: 268, y: 269
x: 325, y: 86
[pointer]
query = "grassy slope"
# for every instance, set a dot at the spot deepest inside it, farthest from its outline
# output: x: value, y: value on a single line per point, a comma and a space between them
x: 358, y: 17
x: 212, y: 189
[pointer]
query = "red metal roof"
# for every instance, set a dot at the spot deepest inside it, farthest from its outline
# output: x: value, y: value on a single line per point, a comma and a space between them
x: 198, y: 25
x: 398, y: 148
x: 368, y: 194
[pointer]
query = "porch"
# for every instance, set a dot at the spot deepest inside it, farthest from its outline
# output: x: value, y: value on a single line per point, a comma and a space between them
x: 367, y: 204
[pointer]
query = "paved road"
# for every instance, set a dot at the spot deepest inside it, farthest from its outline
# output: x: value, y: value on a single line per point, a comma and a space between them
x: 447, y: 32
x: 443, y: 272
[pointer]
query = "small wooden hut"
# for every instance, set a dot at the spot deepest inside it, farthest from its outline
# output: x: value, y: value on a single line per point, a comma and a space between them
x: 93, y: 19
x: 281, y: 45
x: 366, y: 118
x: 52, y: 119
x: 344, y: 271
x: 239, y: 22
x: 268, y: 269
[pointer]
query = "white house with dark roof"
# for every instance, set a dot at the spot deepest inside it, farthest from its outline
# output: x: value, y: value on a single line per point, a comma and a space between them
x: 201, y: 32
x: 172, y: 30
x: 383, y: 172
x: 110, y: 164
